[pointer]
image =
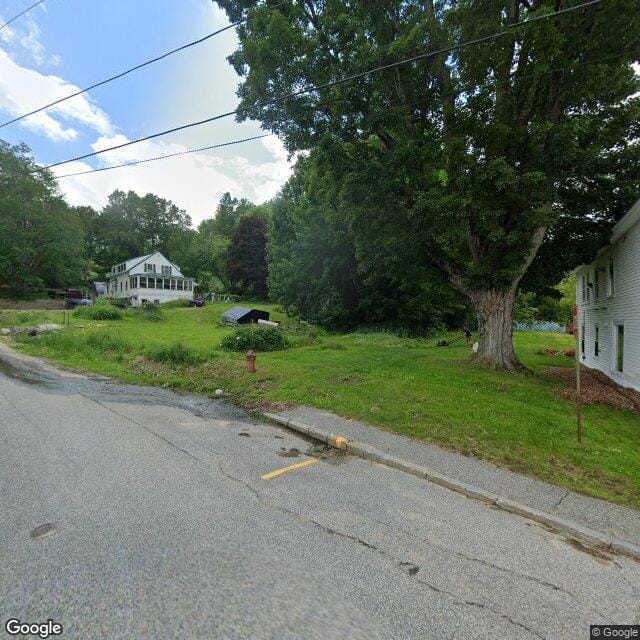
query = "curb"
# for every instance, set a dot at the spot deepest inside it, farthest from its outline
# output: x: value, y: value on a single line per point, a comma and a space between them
x: 557, y: 523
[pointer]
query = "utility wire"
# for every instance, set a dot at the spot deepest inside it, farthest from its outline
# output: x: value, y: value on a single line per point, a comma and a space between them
x: 169, y: 155
x: 333, y: 83
x: 138, y: 66
x: 387, y: 108
x: 8, y: 22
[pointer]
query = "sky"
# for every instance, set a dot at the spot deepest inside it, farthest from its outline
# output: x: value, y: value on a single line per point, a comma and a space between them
x: 63, y: 45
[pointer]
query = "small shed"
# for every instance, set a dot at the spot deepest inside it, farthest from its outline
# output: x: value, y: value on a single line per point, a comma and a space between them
x: 244, y: 315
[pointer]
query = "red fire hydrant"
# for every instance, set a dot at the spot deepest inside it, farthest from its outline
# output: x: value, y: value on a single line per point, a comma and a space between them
x: 251, y: 361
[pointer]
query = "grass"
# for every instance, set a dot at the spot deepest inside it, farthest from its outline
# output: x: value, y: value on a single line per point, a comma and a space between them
x: 401, y: 384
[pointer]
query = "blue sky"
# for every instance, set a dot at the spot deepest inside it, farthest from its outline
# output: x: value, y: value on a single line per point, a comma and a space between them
x: 64, y: 44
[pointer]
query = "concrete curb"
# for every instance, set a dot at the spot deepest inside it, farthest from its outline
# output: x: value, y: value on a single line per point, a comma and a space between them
x: 558, y: 524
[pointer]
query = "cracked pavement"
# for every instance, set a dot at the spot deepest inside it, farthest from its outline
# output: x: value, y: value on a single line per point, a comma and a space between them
x: 164, y: 528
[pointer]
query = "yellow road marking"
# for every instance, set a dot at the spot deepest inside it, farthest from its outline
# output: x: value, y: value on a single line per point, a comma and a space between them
x: 293, y: 467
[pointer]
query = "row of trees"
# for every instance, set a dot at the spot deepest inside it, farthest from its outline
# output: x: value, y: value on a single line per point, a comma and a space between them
x: 497, y: 166
x: 452, y: 182
x: 45, y: 243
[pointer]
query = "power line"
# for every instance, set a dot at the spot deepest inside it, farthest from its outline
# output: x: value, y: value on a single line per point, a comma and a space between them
x: 138, y: 66
x: 387, y: 108
x: 8, y: 22
x: 333, y: 83
x: 168, y: 155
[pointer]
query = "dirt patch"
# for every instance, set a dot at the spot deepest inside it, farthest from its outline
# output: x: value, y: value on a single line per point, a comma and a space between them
x: 599, y: 553
x: 596, y: 388
x: 289, y: 453
x: 268, y: 407
x: 328, y: 454
x: 32, y: 305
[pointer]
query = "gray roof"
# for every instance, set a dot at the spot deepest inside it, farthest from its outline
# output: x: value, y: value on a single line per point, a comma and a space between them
x: 235, y: 313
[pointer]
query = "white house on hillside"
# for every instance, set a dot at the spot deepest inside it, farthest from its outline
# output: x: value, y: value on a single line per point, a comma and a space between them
x: 608, y: 296
x: 150, y: 278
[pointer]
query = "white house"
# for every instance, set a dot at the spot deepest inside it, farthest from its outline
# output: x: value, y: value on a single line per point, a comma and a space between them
x: 150, y: 278
x: 608, y: 296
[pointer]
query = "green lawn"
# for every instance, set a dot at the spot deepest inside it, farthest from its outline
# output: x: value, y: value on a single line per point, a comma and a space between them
x: 405, y: 385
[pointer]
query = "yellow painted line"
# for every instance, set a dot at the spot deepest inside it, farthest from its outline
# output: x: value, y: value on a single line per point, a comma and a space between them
x: 293, y: 467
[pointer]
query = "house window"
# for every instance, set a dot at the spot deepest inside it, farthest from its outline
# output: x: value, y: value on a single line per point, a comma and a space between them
x: 152, y: 283
x: 166, y: 271
x: 583, y: 281
x: 143, y: 282
x: 167, y: 283
x: 619, y: 333
x: 190, y: 285
x: 173, y: 284
x: 149, y: 268
x: 121, y: 286
x: 179, y: 285
x: 582, y: 339
x: 612, y: 286
x: 596, y: 346
x: 596, y: 283
x: 156, y: 302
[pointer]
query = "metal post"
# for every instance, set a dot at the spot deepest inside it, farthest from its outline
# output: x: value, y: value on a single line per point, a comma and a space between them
x: 576, y: 331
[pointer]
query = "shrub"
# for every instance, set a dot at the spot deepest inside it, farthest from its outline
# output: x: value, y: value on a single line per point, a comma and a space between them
x: 176, y: 353
x: 102, y: 310
x: 255, y: 337
x: 107, y: 342
x: 176, y: 304
x: 148, y: 311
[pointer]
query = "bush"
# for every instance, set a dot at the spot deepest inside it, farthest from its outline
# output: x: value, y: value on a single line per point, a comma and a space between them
x: 176, y: 304
x: 176, y: 353
x: 255, y: 337
x: 107, y: 342
x: 102, y: 310
x: 148, y: 311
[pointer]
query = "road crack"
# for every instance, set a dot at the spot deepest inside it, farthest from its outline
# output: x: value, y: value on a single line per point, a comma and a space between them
x: 142, y: 426
x: 399, y: 563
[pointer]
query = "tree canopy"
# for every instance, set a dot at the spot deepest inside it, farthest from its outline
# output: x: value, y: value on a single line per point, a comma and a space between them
x: 41, y: 237
x: 484, y: 150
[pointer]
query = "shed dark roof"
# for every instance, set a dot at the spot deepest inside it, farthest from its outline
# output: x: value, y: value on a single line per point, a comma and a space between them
x: 235, y: 313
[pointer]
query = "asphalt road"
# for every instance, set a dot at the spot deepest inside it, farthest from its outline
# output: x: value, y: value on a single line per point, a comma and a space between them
x: 163, y: 527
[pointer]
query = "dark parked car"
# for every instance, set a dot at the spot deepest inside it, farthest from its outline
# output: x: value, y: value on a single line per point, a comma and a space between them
x: 72, y: 303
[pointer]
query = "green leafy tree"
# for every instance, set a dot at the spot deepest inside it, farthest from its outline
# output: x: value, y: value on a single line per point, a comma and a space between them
x: 247, y: 265
x: 331, y: 267
x: 485, y: 150
x: 131, y: 225
x: 41, y: 237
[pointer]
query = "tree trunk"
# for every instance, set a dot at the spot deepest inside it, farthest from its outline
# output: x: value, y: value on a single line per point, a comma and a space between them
x: 495, y: 328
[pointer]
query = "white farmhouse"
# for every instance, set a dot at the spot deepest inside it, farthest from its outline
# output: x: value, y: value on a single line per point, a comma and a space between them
x: 608, y: 299
x: 150, y: 278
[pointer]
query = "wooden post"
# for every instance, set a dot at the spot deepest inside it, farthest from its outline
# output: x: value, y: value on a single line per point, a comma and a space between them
x: 576, y: 332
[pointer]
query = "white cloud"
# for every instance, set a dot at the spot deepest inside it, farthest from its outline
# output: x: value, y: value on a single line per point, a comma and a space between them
x: 22, y: 90
x: 25, y: 34
x: 194, y: 182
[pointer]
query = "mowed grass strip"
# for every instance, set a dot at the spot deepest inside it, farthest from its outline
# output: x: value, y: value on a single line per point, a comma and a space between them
x: 405, y: 385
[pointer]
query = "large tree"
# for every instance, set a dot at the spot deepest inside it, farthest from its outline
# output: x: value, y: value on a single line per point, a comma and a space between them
x: 485, y: 149
x: 41, y: 237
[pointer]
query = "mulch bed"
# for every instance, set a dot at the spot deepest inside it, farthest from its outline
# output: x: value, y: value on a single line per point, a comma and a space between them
x: 596, y: 388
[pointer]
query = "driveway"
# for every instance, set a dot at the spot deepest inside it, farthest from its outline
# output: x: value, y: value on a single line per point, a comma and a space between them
x: 132, y: 512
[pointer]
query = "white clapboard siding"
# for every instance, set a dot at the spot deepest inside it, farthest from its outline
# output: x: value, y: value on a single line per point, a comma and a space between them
x: 611, y: 309
x: 155, y: 266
